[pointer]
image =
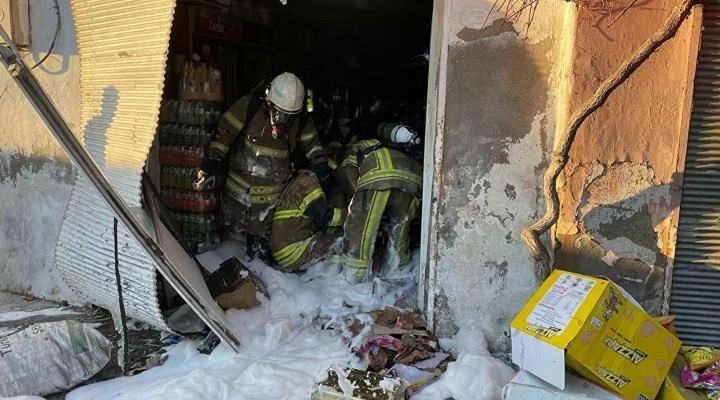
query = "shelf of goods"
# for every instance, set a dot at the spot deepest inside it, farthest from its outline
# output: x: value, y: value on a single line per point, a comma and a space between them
x: 186, y: 129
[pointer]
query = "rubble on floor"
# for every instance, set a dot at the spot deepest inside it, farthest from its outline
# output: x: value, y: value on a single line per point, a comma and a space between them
x: 92, y: 333
x: 345, y: 383
x: 283, y: 353
x: 395, y: 344
x: 295, y: 336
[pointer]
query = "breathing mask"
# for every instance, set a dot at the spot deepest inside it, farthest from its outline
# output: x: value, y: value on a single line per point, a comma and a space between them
x: 279, y: 121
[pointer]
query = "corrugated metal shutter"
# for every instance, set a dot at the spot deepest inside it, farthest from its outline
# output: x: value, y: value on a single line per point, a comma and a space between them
x: 123, y: 47
x: 695, y: 294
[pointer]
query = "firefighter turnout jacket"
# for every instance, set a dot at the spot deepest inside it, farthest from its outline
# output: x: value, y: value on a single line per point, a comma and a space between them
x: 301, y: 219
x: 260, y: 163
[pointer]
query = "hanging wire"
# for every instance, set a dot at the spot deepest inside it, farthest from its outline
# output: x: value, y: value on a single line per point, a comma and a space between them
x: 55, y: 37
x: 121, y: 304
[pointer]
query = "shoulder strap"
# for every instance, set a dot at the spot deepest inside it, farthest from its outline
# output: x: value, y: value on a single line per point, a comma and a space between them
x: 252, y: 109
x: 410, y: 150
x: 298, y: 159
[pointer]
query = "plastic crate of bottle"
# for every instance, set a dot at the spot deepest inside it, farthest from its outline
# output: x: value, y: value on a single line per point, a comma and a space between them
x: 191, y: 112
x: 182, y: 156
x: 196, y: 222
x: 190, y: 200
x: 200, y: 242
x: 186, y: 135
x: 177, y: 177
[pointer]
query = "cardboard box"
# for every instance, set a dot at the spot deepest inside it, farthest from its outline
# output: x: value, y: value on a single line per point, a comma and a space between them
x: 594, y: 327
x: 234, y: 286
x: 672, y: 388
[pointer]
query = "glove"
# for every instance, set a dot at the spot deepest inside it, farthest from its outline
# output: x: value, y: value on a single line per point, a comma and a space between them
x: 323, y: 172
x: 206, y: 175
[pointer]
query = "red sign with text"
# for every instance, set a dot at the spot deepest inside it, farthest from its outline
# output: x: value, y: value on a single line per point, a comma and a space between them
x: 211, y: 27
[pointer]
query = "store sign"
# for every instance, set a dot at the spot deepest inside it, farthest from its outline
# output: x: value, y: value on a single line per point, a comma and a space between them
x: 211, y: 27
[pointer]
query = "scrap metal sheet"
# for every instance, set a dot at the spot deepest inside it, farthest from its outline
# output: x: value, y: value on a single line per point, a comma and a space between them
x: 123, y: 46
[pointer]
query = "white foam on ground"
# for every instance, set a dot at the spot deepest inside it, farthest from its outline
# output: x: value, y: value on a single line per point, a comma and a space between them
x: 283, y: 353
x: 476, y: 375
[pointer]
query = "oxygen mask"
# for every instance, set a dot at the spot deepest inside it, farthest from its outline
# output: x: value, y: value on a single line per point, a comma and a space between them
x: 279, y: 121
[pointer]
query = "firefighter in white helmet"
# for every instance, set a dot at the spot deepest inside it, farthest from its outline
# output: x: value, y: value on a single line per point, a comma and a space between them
x: 261, y: 139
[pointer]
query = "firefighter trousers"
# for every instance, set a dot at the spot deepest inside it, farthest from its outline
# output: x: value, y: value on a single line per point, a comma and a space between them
x: 301, y: 255
x: 370, y: 210
x: 241, y: 222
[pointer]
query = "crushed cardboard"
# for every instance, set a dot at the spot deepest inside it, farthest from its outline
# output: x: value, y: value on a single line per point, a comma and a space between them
x: 393, y: 343
x: 233, y: 285
x: 667, y: 322
x: 400, y: 333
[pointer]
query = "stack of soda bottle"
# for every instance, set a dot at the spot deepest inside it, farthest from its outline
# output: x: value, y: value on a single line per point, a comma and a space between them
x: 186, y: 129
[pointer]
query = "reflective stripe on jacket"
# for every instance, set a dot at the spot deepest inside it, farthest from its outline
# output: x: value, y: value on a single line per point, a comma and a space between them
x: 261, y: 163
x: 382, y: 168
x: 301, y: 212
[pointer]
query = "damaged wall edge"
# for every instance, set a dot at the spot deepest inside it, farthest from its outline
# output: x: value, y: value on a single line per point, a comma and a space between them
x: 433, y: 156
x: 497, y: 125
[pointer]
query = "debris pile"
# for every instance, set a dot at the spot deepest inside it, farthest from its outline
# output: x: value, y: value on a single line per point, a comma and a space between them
x: 394, y: 344
x: 353, y: 384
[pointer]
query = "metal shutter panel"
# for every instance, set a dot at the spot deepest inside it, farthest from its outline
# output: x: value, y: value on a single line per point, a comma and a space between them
x: 695, y: 294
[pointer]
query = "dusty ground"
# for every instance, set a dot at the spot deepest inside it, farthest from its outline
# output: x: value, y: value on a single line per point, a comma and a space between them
x: 142, y: 343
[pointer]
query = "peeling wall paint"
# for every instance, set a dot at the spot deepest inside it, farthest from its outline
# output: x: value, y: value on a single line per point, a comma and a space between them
x: 499, y: 120
x: 36, y: 176
x: 621, y: 189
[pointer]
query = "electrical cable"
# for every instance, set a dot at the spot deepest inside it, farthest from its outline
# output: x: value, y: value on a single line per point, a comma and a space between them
x: 121, y: 303
x: 55, y: 37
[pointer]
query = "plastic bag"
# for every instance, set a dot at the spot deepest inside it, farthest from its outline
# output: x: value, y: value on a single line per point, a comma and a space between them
x: 50, y: 357
x: 695, y: 380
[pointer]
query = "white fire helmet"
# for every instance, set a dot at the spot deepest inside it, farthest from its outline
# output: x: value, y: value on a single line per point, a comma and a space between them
x: 286, y: 93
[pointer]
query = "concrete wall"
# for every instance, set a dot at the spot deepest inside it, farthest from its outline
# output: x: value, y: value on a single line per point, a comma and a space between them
x: 493, y: 137
x: 621, y: 188
x: 36, y: 176
x: 506, y: 90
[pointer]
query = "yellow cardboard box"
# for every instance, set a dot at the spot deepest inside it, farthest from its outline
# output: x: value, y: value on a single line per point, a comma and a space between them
x: 594, y: 327
x: 672, y: 388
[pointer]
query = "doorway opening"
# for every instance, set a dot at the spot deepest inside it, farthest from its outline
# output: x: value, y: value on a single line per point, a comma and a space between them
x: 354, y: 57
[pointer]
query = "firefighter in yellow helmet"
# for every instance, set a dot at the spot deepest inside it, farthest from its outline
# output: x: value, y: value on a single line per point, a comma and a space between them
x: 385, y: 184
x: 258, y: 139
x: 305, y: 228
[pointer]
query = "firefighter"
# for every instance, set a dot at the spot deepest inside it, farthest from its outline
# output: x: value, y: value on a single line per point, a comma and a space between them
x: 385, y: 184
x: 303, y: 224
x: 259, y: 140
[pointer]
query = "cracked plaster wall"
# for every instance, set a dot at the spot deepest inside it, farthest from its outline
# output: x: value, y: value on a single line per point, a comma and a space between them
x: 494, y: 146
x: 620, y: 190
x: 36, y: 176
